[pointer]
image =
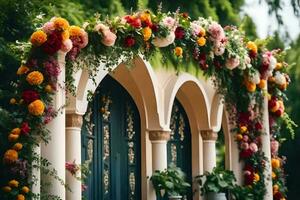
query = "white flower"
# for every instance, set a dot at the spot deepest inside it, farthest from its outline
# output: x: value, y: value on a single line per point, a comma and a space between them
x: 273, y: 63
x: 254, y: 77
x: 169, y: 22
x: 280, y: 78
x: 101, y: 27
x: 163, y: 42
x: 219, y: 50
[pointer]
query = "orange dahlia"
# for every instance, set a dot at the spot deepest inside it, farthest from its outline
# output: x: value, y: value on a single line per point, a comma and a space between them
x: 35, y: 78
x: 36, y: 107
x: 38, y: 38
x: 10, y: 156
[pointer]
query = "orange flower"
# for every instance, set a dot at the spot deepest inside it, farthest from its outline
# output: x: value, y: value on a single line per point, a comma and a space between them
x: 75, y: 31
x: 275, y: 188
x: 252, y: 47
x: 279, y: 66
x: 38, y: 38
x: 18, y: 146
x: 256, y: 177
x: 12, y: 101
x: 13, y: 183
x: 178, y: 51
x: 274, y: 175
x: 251, y: 87
x: 22, y: 70
x: 145, y: 16
x: 243, y: 129
x: 239, y: 137
x: 262, y: 84
x: 147, y: 32
x: 25, y: 189
x: 35, y: 78
x: 202, y: 32
x: 61, y: 24
x: 13, y: 137
x: 65, y: 35
x: 275, y: 163
x: 36, y: 108
x: 10, y: 156
x: 201, y: 41
x: 48, y: 88
x: 6, y: 189
x: 20, y: 197
x: 16, y: 131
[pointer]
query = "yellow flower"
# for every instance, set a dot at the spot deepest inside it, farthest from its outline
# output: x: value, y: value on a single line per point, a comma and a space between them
x: 202, y: 32
x: 147, y: 32
x: 274, y: 175
x: 262, y: 84
x: 48, y: 88
x: 243, y: 129
x: 25, y: 189
x: 178, y: 51
x: 13, y: 137
x: 18, y: 146
x: 36, y: 108
x: 275, y: 163
x: 256, y: 177
x: 201, y: 41
x: 22, y: 70
x: 6, y: 189
x: 35, y: 78
x: 145, y: 16
x: 12, y: 101
x: 13, y: 183
x: 65, y: 35
x: 20, y: 197
x: 10, y: 156
x: 239, y: 137
x: 252, y: 46
x: 75, y: 31
x: 16, y: 131
x: 38, y: 38
x: 61, y: 24
x: 278, y: 66
x: 275, y: 188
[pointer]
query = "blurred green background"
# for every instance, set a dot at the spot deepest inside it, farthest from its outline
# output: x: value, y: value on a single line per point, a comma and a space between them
x: 17, y: 19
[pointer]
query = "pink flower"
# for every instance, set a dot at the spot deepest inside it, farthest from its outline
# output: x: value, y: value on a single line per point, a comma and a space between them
x: 25, y: 129
x: 216, y: 31
x: 195, y: 28
x: 253, y: 147
x: 67, y: 46
x: 52, y: 68
x: 48, y: 27
x: 84, y: 39
x: 170, y: 23
x: 232, y: 63
x: 245, y: 145
x: 245, y: 138
x: 72, y: 167
x: 219, y: 50
x: 274, y: 147
x: 109, y: 38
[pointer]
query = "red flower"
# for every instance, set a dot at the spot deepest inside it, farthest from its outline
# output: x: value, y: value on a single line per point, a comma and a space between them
x: 154, y: 27
x: 53, y: 43
x: 133, y: 21
x: 244, y: 118
x: 249, y: 168
x: 25, y: 128
x: 258, y: 126
x: 278, y: 196
x: 247, y: 153
x: 129, y: 41
x: 249, y: 178
x: 179, y: 33
x: 30, y: 96
x: 252, y: 54
x: 185, y: 15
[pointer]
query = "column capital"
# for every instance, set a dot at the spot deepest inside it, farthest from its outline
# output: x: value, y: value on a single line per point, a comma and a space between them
x: 209, y: 135
x: 74, y: 120
x: 155, y: 135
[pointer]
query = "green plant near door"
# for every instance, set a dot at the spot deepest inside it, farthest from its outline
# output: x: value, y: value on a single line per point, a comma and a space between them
x: 170, y: 182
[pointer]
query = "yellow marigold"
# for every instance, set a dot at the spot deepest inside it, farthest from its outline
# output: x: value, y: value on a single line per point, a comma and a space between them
x: 145, y: 16
x: 16, y: 131
x: 239, y: 137
x: 6, y: 189
x: 252, y: 46
x: 18, y: 146
x: 178, y: 51
x: 65, y: 35
x: 13, y: 137
x: 275, y: 163
x: 201, y: 41
x: 147, y: 32
x: 10, y: 156
x: 275, y: 188
x: 20, y: 197
x: 274, y: 175
x: 36, y: 107
x: 256, y: 177
x: 243, y: 129
x: 75, y: 31
x: 13, y: 183
x: 22, y: 70
x: 262, y: 84
x: 38, y: 38
x: 61, y: 24
x: 202, y: 32
x: 48, y: 88
x: 35, y: 78
x: 12, y: 101
x: 25, y: 189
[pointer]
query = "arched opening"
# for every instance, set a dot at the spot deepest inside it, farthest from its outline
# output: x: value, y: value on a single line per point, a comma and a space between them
x: 111, y: 141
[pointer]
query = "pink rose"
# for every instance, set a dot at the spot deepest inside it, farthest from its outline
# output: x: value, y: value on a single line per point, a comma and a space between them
x: 232, y: 63
x: 253, y: 147
x: 48, y: 27
x: 109, y: 38
x: 245, y: 138
x: 84, y: 39
x: 170, y: 23
x: 245, y: 146
x: 67, y: 46
x: 216, y: 31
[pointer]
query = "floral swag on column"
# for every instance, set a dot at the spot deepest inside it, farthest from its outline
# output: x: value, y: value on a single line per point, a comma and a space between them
x: 240, y: 70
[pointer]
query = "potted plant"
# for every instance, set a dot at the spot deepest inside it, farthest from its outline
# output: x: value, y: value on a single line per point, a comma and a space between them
x: 170, y: 182
x: 214, y: 185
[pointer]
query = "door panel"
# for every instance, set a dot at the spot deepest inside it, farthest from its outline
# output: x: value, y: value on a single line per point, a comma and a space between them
x: 111, y: 140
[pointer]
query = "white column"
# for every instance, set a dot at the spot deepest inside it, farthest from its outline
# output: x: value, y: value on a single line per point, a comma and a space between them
x: 73, y: 152
x: 266, y: 148
x: 159, y: 141
x: 209, y: 149
x: 54, y: 151
x: 36, y: 173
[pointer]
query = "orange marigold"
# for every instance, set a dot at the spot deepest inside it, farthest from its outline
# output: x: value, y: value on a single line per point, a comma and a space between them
x: 35, y: 78
x: 13, y: 137
x: 13, y: 183
x: 16, y: 131
x: 75, y: 31
x: 275, y: 163
x: 178, y: 51
x: 22, y: 70
x: 38, y: 38
x: 147, y: 32
x: 20, y: 197
x: 252, y: 46
x: 201, y: 41
x: 61, y: 24
x: 25, y: 189
x: 10, y: 156
x: 6, y: 189
x: 36, y: 107
x: 18, y: 146
x: 256, y: 177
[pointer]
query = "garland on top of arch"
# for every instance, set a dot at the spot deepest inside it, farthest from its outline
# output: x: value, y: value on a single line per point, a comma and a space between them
x: 239, y: 69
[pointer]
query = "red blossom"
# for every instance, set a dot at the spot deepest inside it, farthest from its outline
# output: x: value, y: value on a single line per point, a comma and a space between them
x: 53, y: 43
x: 246, y: 153
x: 258, y: 126
x: 179, y: 33
x: 278, y: 196
x: 244, y: 118
x: 30, y: 96
x: 129, y: 41
x: 154, y: 27
x: 25, y: 129
x: 133, y: 21
x: 249, y: 178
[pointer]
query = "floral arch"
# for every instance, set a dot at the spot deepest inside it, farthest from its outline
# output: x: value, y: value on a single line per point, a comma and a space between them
x: 250, y: 79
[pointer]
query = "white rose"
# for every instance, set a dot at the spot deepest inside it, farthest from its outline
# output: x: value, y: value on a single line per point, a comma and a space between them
x: 163, y: 42
x: 280, y: 78
x: 254, y: 77
x: 273, y: 63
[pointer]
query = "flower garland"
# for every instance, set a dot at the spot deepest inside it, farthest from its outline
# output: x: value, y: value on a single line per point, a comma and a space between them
x: 239, y: 70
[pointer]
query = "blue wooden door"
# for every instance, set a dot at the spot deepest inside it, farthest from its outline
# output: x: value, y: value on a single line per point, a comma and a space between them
x: 111, y: 141
x: 179, y: 146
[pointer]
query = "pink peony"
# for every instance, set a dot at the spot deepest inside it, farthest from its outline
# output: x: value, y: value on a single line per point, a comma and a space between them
x: 109, y: 38
x: 232, y: 63
x: 253, y: 147
x: 196, y: 28
x: 216, y: 32
x: 67, y: 46
x: 48, y: 27
x: 170, y: 23
x: 245, y: 145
